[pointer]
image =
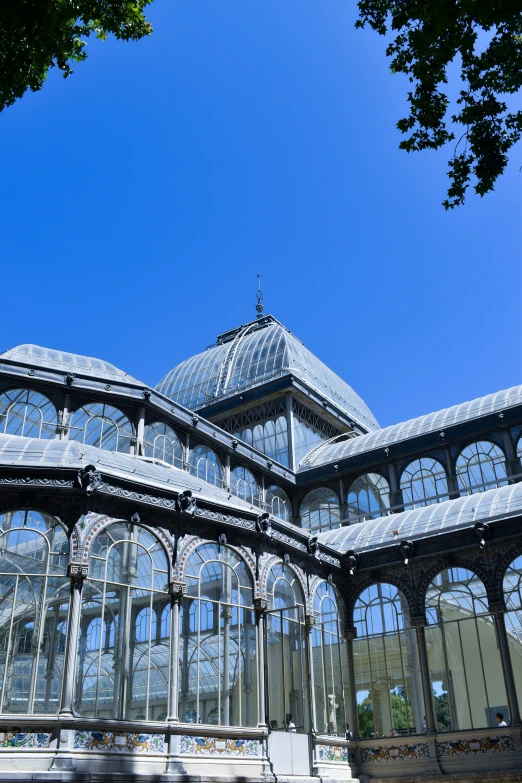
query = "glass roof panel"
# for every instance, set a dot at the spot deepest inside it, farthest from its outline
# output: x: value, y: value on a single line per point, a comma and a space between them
x: 53, y: 359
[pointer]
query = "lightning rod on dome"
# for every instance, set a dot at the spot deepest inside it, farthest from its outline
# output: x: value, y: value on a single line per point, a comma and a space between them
x: 259, y: 297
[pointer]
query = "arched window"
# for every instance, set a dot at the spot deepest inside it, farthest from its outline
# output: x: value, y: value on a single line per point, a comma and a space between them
x: 269, y: 437
x: 287, y: 675
x: 466, y: 674
x: 162, y: 443
x: 386, y: 661
x: 27, y: 412
x: 481, y: 466
x: 35, y: 595
x: 205, y: 465
x: 320, y: 510
x: 218, y: 640
x: 244, y: 485
x: 277, y: 503
x: 513, y: 618
x: 330, y: 664
x: 165, y: 622
x: 101, y: 425
x: 125, y: 674
x: 424, y: 482
x: 519, y: 448
x: 368, y: 498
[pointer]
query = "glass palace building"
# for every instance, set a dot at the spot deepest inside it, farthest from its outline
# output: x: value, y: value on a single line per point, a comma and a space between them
x: 238, y: 575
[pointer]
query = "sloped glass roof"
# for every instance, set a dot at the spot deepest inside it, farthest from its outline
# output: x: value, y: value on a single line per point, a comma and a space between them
x: 427, y: 521
x: 50, y: 358
x: 16, y: 450
x: 253, y: 354
x: 333, y: 451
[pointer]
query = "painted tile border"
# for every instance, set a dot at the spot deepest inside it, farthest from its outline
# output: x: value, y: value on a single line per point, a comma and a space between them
x: 219, y: 746
x: 333, y: 753
x: 24, y: 739
x: 459, y: 747
x: 420, y: 750
x: 109, y: 741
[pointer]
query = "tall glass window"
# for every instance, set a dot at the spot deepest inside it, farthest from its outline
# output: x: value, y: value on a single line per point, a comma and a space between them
x: 205, y: 465
x: 34, y: 595
x: 218, y: 670
x: 320, y: 510
x: 465, y: 666
x: 306, y: 438
x: 513, y: 617
x: 277, y: 502
x: 27, y: 412
x: 244, y: 485
x: 270, y: 437
x: 368, y: 498
x: 101, y: 425
x: 330, y: 664
x: 424, y: 482
x: 287, y: 677
x: 123, y: 648
x: 162, y: 443
x: 481, y: 466
x: 386, y: 661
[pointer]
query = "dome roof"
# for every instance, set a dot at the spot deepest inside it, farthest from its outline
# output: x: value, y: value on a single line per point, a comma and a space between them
x: 49, y: 358
x: 254, y: 354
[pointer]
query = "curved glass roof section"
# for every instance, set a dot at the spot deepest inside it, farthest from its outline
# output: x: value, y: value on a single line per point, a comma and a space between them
x: 254, y: 354
x: 17, y: 451
x: 429, y: 520
x: 50, y: 358
x: 333, y: 451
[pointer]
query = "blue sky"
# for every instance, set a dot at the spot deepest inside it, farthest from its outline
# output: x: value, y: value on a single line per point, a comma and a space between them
x: 141, y: 196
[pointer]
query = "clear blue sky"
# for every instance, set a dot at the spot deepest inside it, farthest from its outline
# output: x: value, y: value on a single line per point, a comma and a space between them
x: 141, y: 196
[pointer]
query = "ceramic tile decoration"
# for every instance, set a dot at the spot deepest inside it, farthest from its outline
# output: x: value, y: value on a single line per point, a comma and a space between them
x: 332, y: 753
x: 119, y: 741
x: 461, y: 747
x: 219, y: 746
x: 24, y: 739
x: 419, y: 750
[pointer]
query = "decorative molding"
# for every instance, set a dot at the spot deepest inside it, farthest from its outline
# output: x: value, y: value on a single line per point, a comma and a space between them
x: 112, y: 741
x: 463, y: 747
x: 36, y: 482
x: 418, y: 750
x: 90, y: 479
x: 335, y: 754
x: 22, y: 740
x: 218, y: 746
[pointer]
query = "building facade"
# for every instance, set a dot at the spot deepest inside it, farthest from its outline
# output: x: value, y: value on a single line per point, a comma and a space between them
x: 239, y: 574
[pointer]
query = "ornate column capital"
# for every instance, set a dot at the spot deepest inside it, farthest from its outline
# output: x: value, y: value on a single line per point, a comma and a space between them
x: 310, y: 620
x: 418, y: 621
x: 77, y: 571
x: 261, y: 605
x: 497, y: 607
x: 177, y: 590
x: 350, y: 633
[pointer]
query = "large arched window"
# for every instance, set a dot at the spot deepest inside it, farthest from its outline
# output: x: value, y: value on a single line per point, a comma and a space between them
x: 519, y: 448
x: 205, y: 465
x: 464, y: 660
x: 101, y: 425
x: 218, y: 640
x: 368, y: 498
x: 270, y: 437
x: 320, y: 510
x: 387, y: 673
x: 244, y: 485
x: 34, y: 593
x: 124, y: 672
x: 161, y: 443
x: 287, y: 676
x: 481, y: 466
x: 27, y: 412
x: 330, y: 663
x: 277, y: 502
x: 513, y: 617
x: 423, y: 482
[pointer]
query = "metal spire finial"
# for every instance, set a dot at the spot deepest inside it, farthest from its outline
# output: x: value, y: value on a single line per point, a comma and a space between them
x: 259, y: 297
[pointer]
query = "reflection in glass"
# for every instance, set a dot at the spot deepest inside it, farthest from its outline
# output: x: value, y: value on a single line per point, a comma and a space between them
x: 27, y: 412
x: 218, y: 671
x: 320, y: 510
x: 269, y: 437
x: 368, y: 498
x: 386, y: 662
x: 34, y: 595
x: 123, y: 647
x: 277, y: 502
x: 161, y: 443
x: 481, y: 466
x: 244, y: 485
x: 466, y: 674
x: 513, y: 618
x: 424, y: 482
x: 103, y: 426
x: 205, y: 465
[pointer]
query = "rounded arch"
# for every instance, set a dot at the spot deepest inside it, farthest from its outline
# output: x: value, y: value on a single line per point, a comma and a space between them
x: 458, y: 562
x: 284, y: 589
x: 185, y: 551
x: 325, y: 591
x: 161, y: 442
x: 368, y: 497
x: 267, y: 563
x: 244, y: 485
x: 481, y: 465
x: 320, y: 510
x: 519, y: 447
x: 28, y: 413
x: 278, y: 503
x: 102, y: 425
x: 423, y: 482
x: 205, y: 464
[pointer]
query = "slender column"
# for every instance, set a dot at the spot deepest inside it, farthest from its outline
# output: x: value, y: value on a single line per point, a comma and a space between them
x: 419, y: 624
x: 186, y: 456
x: 227, y: 473
x: 512, y: 461
x: 177, y: 590
x: 290, y: 430
x: 309, y: 624
x: 503, y: 642
x: 260, y: 608
x: 63, y: 419
x: 350, y: 634
x: 453, y: 485
x: 77, y: 573
x: 140, y: 447
x: 396, y: 499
